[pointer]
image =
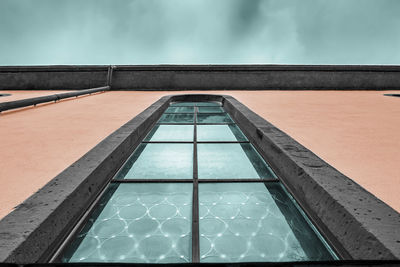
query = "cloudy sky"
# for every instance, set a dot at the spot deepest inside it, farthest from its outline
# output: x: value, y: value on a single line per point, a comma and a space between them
x: 41, y: 32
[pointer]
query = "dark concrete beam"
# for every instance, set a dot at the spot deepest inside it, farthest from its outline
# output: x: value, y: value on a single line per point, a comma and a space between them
x: 52, y: 77
x: 203, y: 77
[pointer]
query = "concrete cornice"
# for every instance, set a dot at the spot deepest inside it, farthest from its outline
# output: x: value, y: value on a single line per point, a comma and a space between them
x: 203, y: 77
x: 211, y: 67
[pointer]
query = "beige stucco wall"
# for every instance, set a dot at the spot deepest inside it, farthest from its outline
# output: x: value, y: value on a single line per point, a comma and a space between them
x: 355, y: 131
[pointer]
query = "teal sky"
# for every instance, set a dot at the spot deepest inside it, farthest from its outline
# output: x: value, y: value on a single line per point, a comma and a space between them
x: 42, y: 32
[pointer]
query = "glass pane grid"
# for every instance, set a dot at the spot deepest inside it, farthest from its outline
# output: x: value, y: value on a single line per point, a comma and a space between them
x: 141, y: 223
x: 197, y: 104
x: 245, y: 222
x: 210, y: 110
x: 197, y: 144
x: 177, y: 118
x: 159, y: 160
x: 179, y: 110
x: 213, y: 118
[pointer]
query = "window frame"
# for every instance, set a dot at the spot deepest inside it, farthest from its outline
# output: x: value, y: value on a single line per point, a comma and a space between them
x: 54, y: 210
x: 195, y: 181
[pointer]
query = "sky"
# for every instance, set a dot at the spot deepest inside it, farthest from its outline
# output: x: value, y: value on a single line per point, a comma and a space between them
x: 58, y: 32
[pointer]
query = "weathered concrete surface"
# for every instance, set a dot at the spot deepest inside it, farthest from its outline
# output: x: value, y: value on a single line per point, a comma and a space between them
x: 52, y: 77
x: 203, y: 77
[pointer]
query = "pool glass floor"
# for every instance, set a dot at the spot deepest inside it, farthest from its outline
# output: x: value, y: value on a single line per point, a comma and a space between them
x: 196, y: 190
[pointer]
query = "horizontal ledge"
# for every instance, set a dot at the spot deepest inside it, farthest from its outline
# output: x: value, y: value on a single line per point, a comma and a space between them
x: 212, y: 67
x: 198, y: 142
x: 192, y: 123
x: 219, y: 180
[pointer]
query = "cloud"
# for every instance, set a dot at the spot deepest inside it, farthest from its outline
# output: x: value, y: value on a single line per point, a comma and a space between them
x: 199, y: 32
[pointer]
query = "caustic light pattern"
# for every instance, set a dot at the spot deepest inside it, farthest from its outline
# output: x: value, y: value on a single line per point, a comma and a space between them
x: 250, y: 222
x: 139, y: 223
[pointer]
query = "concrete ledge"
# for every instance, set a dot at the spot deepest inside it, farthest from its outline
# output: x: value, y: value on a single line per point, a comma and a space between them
x: 203, y: 77
x: 52, y: 77
x: 355, y: 222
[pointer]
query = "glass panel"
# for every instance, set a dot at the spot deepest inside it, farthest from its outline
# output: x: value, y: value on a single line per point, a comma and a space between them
x: 159, y: 161
x: 171, y: 133
x: 148, y: 223
x: 223, y: 161
x: 180, y: 110
x: 177, y: 118
x: 210, y: 110
x: 219, y: 133
x: 180, y: 104
x: 199, y: 104
x: 249, y: 222
x: 208, y: 104
x: 214, y: 118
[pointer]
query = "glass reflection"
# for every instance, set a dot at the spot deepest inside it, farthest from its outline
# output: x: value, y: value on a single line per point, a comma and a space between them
x: 137, y: 223
x: 210, y: 110
x: 180, y: 110
x: 228, y: 161
x: 198, y: 104
x: 213, y: 118
x: 171, y: 133
x: 159, y: 161
x: 247, y: 222
x: 219, y: 133
x: 177, y: 118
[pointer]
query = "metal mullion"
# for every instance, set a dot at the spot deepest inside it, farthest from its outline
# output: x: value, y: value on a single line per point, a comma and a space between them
x: 192, y: 123
x: 235, y: 180
x: 177, y: 123
x: 167, y: 142
x: 181, y: 106
x: 129, y: 181
x: 222, y: 112
x: 213, y: 113
x: 178, y: 113
x: 195, y: 105
x: 217, y: 123
x: 195, y: 203
x: 223, y: 142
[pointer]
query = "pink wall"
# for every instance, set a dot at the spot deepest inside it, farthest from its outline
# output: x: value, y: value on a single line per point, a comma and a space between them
x: 355, y: 131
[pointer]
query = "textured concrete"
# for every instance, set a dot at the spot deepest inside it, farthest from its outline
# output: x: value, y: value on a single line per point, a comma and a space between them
x: 52, y: 77
x: 203, y: 77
